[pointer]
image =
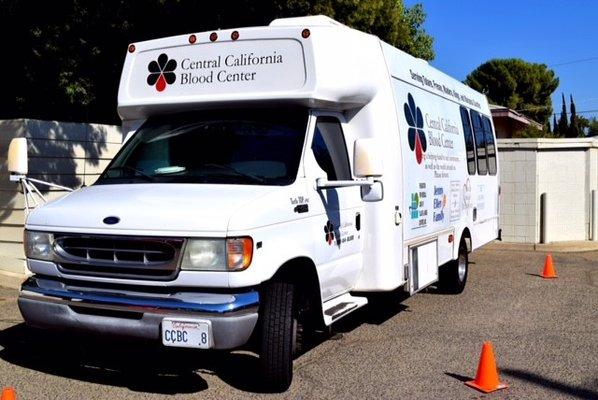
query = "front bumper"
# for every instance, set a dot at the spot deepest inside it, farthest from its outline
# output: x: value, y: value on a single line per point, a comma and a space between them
x: 55, y: 304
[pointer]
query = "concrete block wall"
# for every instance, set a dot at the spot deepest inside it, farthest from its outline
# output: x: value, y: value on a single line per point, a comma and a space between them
x: 565, y: 169
x: 69, y: 154
x: 519, y: 217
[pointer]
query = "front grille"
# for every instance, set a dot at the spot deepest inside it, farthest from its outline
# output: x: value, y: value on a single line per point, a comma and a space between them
x: 118, y: 256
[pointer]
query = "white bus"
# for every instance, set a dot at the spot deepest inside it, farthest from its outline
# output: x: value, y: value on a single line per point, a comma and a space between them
x: 271, y: 178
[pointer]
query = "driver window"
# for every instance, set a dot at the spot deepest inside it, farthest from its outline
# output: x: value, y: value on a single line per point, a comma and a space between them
x: 330, y: 150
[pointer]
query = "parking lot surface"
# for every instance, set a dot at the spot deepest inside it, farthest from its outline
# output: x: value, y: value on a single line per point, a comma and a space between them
x: 544, y: 332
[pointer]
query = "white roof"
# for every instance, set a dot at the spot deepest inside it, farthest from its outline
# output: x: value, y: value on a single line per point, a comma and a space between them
x: 334, y: 66
x: 309, y: 21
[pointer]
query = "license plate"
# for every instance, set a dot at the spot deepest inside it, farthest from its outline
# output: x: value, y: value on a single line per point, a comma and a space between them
x: 186, y: 333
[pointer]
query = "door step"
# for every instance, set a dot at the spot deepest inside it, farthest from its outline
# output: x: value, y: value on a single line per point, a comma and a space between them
x: 341, y: 306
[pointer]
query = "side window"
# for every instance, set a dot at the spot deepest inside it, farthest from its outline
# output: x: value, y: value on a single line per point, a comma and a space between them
x: 480, y: 141
x: 469, y: 143
x: 490, y: 146
x: 330, y: 150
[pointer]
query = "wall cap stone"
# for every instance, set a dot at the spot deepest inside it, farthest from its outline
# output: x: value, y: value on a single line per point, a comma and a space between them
x: 547, y: 144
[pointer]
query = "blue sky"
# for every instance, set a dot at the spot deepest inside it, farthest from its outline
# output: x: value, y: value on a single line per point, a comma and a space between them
x: 469, y: 32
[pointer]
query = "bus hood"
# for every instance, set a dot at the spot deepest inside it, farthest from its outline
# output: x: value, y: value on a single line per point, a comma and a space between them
x: 152, y: 209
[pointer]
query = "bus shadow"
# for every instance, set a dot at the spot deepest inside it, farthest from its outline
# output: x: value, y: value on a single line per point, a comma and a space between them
x: 148, y: 367
x: 380, y: 308
x: 141, y: 367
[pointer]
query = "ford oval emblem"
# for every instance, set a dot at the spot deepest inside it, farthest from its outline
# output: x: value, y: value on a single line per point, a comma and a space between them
x: 111, y: 220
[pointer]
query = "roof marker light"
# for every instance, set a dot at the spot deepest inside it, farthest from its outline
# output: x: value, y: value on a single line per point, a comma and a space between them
x: 213, y: 36
x: 234, y: 35
x: 192, y: 39
x: 131, y: 48
x: 305, y: 33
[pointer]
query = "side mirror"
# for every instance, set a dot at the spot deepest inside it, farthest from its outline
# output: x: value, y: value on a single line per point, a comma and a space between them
x: 374, y: 192
x: 367, y: 160
x: 17, y: 157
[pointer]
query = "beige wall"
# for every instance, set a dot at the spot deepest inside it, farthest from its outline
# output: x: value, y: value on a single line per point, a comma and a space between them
x: 69, y: 154
x: 518, y: 174
x: 565, y: 169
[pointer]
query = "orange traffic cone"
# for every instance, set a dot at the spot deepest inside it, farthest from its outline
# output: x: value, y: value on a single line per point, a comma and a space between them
x: 486, y: 379
x: 8, y: 393
x: 549, y: 271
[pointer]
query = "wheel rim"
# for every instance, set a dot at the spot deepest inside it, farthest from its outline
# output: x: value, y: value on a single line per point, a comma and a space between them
x: 462, y: 267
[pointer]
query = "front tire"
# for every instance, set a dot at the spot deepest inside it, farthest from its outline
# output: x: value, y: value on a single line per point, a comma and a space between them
x: 278, y: 332
x: 453, y: 275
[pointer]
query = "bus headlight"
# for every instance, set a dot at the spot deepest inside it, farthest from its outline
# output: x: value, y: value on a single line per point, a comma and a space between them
x: 204, y: 255
x: 233, y: 254
x: 38, y: 245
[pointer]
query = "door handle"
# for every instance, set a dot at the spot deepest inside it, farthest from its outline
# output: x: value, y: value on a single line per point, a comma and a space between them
x: 398, y: 216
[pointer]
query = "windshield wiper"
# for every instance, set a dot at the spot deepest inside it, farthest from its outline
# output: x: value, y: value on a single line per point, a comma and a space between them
x: 138, y: 173
x: 237, y: 172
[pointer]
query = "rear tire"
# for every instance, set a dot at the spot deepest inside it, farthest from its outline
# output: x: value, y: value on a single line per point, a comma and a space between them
x: 453, y: 275
x: 278, y: 332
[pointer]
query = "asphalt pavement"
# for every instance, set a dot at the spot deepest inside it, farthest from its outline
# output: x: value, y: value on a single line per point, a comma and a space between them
x: 544, y: 332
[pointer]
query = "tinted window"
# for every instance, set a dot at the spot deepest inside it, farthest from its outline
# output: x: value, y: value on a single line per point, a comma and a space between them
x: 480, y: 141
x: 469, y: 142
x: 330, y: 150
x: 490, y: 146
x: 251, y: 147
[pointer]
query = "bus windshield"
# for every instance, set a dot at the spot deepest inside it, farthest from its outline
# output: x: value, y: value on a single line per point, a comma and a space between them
x: 236, y: 146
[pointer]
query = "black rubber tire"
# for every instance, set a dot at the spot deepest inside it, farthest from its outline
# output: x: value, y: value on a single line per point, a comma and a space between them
x: 276, y: 356
x: 449, y: 280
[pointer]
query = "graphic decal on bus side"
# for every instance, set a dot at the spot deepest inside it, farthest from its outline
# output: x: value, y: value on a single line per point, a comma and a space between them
x: 329, y: 231
x: 417, y: 207
x: 439, y: 204
x: 455, y: 200
x: 161, y: 72
x: 466, y: 195
x: 435, y: 188
x: 416, y: 135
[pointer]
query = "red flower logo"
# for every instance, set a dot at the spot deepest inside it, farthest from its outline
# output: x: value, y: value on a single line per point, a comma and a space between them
x: 416, y: 135
x: 161, y: 72
x: 329, y: 231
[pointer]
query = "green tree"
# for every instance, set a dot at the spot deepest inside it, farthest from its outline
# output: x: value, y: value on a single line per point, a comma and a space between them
x: 563, y: 124
x: 555, y: 127
x: 64, y: 62
x: 517, y: 84
x: 588, y: 126
x: 390, y: 20
x: 574, y: 130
